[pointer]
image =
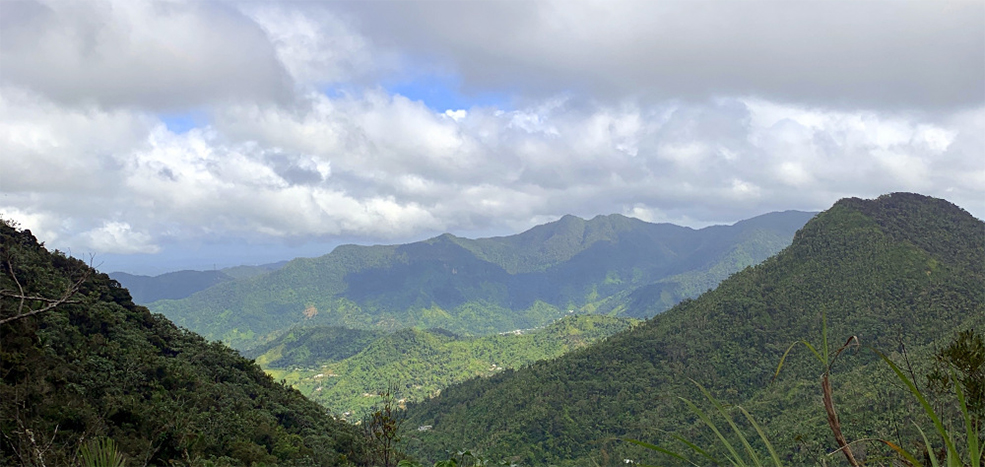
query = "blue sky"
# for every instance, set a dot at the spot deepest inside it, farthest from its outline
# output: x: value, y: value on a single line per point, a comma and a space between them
x: 179, y: 123
x: 444, y: 92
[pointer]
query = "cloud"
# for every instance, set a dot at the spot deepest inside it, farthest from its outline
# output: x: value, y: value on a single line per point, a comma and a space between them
x: 119, y: 237
x: 661, y: 110
x: 837, y: 54
x: 316, y: 46
x: 149, y: 55
x: 380, y: 166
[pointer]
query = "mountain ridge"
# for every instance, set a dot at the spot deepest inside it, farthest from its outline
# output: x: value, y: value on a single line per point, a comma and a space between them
x: 466, y: 285
x: 866, y: 278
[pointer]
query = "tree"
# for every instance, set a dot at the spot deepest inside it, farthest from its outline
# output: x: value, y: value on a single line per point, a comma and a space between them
x: 384, y: 425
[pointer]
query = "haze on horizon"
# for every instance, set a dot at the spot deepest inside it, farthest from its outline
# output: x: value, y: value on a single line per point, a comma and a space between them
x: 181, y: 134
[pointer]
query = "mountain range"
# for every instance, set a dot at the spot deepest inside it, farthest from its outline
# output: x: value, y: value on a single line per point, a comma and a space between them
x: 180, y: 284
x: 610, y: 264
x: 902, y: 274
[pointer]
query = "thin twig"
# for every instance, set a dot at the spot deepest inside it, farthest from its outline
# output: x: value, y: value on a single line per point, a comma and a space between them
x: 10, y: 267
x: 66, y: 297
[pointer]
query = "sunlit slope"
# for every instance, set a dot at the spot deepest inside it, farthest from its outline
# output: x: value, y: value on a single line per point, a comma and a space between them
x: 900, y: 269
x: 325, y: 365
x: 486, y: 285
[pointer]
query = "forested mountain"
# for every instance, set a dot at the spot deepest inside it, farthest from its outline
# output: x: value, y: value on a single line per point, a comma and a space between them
x: 903, y: 271
x: 345, y: 369
x: 80, y: 361
x: 483, y: 286
x: 180, y: 284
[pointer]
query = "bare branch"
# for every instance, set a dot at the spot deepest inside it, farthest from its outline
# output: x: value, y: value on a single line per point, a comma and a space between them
x: 51, y: 303
x: 10, y: 267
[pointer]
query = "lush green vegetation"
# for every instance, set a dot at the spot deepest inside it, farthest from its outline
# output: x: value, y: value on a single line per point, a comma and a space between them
x: 484, y: 286
x: 899, y: 279
x: 959, y: 439
x: 342, y: 369
x: 81, y: 362
x: 902, y: 273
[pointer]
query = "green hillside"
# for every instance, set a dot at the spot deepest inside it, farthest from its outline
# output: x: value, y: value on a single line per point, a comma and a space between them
x: 900, y: 272
x: 345, y: 369
x: 484, y: 286
x: 96, y: 365
x: 180, y: 284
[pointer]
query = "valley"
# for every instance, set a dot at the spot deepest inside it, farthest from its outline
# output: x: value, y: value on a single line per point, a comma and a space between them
x: 551, y: 347
x: 418, y: 364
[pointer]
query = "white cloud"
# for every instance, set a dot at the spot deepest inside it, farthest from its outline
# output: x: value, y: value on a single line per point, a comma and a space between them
x: 837, y: 54
x: 43, y: 225
x: 300, y: 140
x: 145, y: 54
x: 315, y: 45
x: 119, y: 237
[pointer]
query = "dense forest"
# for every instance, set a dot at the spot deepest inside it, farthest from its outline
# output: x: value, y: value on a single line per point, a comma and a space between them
x: 901, y: 276
x: 343, y: 368
x: 81, y: 362
x: 903, y: 273
x: 488, y: 285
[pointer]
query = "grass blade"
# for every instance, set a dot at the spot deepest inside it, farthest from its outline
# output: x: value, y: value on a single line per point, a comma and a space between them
x: 926, y: 406
x: 668, y: 452
x: 784, y: 357
x: 973, y: 451
x: 762, y: 436
x: 728, y: 418
x: 704, y: 418
x: 697, y: 449
x: 930, y: 449
x: 910, y: 459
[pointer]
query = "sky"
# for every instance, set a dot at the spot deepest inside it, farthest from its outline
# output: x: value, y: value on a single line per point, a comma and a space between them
x: 157, y: 136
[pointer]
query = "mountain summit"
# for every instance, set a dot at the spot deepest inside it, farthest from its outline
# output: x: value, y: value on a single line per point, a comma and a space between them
x: 903, y: 269
x: 486, y: 285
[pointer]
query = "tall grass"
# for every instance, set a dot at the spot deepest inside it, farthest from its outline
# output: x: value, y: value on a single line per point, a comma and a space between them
x: 744, y: 457
x: 973, y: 446
x: 101, y: 452
x: 962, y: 448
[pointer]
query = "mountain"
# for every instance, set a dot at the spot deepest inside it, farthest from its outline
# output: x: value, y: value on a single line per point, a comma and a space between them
x: 489, y: 285
x: 80, y: 361
x: 901, y: 272
x: 173, y: 285
x: 344, y: 369
x: 180, y: 284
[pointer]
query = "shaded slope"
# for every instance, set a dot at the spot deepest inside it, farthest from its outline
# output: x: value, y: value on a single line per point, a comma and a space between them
x: 98, y: 365
x: 180, y: 284
x: 173, y: 285
x: 902, y: 268
x: 486, y: 285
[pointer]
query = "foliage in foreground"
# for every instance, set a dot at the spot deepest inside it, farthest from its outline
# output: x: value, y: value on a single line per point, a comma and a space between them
x: 98, y: 366
x: 957, y: 444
